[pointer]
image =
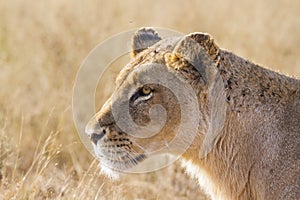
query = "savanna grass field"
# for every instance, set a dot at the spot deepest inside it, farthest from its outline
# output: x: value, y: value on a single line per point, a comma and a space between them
x: 42, y: 45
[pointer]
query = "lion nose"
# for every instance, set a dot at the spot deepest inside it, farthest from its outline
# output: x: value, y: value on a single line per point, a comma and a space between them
x: 92, y: 126
x: 95, y: 137
x: 95, y: 134
x: 94, y: 130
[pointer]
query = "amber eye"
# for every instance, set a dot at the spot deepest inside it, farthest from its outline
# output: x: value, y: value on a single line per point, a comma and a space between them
x: 146, y: 90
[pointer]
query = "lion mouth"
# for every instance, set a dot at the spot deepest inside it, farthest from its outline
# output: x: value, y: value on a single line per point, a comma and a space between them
x: 119, y: 161
x: 114, y: 170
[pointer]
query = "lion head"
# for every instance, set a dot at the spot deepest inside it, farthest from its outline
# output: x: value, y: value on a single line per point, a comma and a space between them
x: 164, y: 86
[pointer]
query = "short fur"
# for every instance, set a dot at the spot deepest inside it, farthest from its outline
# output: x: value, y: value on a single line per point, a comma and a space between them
x: 257, y: 153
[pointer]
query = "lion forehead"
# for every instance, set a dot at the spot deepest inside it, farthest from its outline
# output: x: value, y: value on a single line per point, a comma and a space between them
x: 153, y: 54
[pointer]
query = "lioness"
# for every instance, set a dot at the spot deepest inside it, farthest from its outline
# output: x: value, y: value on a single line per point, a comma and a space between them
x: 256, y: 153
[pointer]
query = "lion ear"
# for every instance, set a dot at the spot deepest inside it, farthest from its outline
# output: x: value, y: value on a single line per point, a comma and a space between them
x: 199, y: 50
x: 142, y: 39
x: 207, y: 42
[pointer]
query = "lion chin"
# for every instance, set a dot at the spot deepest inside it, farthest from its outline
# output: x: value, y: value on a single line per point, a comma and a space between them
x: 109, y: 172
x: 115, y: 170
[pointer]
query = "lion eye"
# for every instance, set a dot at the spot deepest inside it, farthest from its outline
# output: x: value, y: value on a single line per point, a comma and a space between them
x: 142, y: 94
x: 146, y: 90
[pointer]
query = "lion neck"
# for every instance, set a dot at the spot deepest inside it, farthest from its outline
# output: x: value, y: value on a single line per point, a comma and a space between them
x: 252, y: 94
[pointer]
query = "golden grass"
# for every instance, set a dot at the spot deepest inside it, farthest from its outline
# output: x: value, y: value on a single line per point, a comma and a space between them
x: 42, y: 44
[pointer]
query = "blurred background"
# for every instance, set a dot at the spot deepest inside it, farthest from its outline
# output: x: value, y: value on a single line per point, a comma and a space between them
x: 43, y: 43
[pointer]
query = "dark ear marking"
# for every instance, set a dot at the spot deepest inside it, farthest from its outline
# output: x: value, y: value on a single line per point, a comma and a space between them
x: 207, y: 42
x: 142, y: 39
x: 199, y: 50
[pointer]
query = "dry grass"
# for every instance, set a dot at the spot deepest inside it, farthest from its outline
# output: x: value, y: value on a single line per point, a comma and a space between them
x: 42, y: 44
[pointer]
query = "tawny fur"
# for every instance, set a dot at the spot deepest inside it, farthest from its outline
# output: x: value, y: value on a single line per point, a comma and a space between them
x: 257, y: 153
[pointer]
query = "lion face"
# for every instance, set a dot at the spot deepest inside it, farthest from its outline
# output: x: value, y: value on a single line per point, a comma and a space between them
x: 142, y: 117
x: 121, y: 148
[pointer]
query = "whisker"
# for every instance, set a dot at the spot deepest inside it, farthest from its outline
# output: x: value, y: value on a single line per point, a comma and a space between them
x: 139, y: 146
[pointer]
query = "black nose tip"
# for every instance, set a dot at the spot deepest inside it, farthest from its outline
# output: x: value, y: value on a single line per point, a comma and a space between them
x: 95, y: 137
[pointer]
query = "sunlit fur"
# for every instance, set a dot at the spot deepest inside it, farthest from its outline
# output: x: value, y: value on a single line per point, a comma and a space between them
x: 256, y: 154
